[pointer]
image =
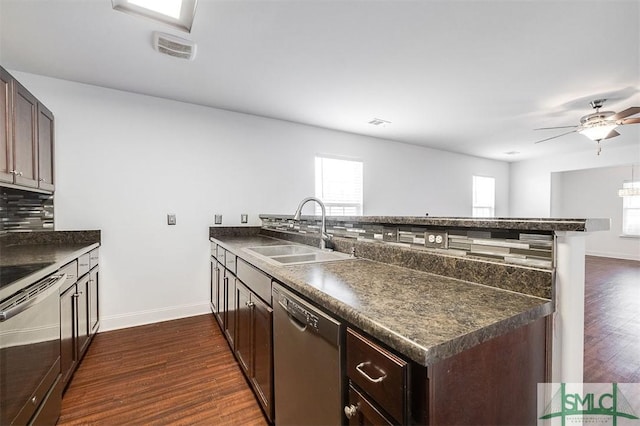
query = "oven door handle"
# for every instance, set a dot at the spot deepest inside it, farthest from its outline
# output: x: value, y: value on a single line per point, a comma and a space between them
x: 21, y: 301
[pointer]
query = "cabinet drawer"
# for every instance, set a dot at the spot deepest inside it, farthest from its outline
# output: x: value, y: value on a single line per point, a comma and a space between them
x: 84, y: 264
x: 71, y: 269
x: 256, y: 280
x: 360, y: 411
x: 220, y: 254
x: 230, y: 262
x: 94, y: 256
x: 379, y: 373
x: 214, y: 248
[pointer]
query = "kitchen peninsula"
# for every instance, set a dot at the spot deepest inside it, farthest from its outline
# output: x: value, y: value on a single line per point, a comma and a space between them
x: 467, y: 304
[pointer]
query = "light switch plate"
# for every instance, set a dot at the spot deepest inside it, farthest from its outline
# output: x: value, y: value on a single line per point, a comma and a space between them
x: 171, y: 219
x: 244, y: 218
x: 217, y: 219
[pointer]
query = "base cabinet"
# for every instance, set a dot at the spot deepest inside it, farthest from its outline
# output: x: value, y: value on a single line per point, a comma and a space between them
x: 79, y: 312
x: 245, y: 318
x: 253, y: 341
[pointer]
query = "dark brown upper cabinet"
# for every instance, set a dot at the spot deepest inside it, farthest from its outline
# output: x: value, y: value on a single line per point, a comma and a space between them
x: 26, y: 137
x: 45, y: 148
x: 6, y: 142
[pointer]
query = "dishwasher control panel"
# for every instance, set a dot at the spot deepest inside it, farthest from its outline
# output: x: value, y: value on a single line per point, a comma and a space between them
x: 305, y: 316
x: 299, y: 312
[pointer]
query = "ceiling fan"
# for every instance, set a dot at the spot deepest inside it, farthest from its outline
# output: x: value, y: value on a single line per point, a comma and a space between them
x: 599, y: 125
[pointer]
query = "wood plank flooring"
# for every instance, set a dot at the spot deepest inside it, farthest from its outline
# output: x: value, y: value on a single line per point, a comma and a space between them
x: 175, y: 372
x: 612, y: 320
x: 182, y: 371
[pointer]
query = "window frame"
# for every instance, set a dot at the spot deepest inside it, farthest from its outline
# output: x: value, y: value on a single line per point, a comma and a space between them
x: 331, y: 205
x: 474, y: 195
x: 627, y: 229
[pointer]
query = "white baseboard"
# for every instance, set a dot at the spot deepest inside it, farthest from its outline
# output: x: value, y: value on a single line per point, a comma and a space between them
x: 115, y: 322
x: 625, y: 256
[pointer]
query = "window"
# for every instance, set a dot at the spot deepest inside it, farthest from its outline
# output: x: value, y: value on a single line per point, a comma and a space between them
x: 631, y: 211
x: 484, y: 196
x: 339, y: 186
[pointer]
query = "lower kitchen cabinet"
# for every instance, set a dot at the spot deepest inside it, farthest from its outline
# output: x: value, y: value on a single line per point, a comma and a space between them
x: 79, y: 312
x: 68, y: 353
x: 383, y: 378
x: 360, y: 411
x: 253, y: 344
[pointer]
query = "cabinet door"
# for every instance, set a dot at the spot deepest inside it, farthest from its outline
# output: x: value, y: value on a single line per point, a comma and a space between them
x: 45, y: 148
x: 243, y: 327
x: 25, y: 151
x: 82, y: 318
x: 262, y: 377
x: 213, y: 288
x: 92, y: 299
x: 361, y: 412
x: 222, y: 296
x: 68, y: 358
x: 230, y: 317
x: 6, y: 117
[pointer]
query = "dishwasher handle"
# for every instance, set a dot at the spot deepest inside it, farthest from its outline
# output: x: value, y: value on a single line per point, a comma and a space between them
x: 301, y: 326
x: 306, y: 317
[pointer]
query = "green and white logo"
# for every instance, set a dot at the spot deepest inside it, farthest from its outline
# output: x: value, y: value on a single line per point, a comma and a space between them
x: 589, y: 403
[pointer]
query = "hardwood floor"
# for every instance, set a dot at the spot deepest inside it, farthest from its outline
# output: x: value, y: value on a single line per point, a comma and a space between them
x: 612, y: 320
x: 175, y: 372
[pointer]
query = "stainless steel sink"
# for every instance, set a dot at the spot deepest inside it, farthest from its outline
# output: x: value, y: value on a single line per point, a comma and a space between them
x: 295, y: 254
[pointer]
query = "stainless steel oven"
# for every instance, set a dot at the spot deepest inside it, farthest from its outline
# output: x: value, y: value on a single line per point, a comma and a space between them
x: 30, y: 354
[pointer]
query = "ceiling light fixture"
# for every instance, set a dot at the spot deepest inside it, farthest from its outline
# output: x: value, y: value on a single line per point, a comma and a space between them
x: 177, y: 13
x: 598, y: 131
x: 630, y: 189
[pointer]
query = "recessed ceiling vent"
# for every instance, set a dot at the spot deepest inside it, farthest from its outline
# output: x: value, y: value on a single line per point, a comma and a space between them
x: 174, y: 46
x: 379, y: 122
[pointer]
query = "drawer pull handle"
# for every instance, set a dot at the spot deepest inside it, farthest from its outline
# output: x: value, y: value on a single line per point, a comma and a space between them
x: 368, y: 377
x: 351, y: 410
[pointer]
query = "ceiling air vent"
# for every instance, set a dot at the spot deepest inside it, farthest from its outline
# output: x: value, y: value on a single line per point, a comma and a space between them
x: 174, y: 46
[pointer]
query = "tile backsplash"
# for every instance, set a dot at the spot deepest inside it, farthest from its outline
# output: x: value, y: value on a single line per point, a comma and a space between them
x: 516, y: 247
x: 25, y: 211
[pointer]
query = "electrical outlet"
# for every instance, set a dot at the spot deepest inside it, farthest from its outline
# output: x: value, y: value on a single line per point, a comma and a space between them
x: 171, y: 219
x: 436, y: 239
x: 244, y: 218
x: 217, y: 219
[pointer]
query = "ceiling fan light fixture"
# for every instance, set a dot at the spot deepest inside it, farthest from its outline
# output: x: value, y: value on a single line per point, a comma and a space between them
x: 597, y: 132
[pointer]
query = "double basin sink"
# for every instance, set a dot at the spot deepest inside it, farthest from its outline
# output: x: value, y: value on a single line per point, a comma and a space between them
x: 290, y: 254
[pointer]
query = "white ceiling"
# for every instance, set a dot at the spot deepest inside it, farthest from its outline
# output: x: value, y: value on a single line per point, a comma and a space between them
x: 465, y: 76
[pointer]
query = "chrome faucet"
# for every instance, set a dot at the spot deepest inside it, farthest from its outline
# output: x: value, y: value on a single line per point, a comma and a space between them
x: 324, y: 237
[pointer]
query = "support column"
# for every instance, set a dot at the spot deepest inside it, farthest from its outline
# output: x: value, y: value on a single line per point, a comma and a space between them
x: 568, y: 323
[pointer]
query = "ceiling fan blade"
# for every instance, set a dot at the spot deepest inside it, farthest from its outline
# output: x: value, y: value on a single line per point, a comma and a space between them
x: 557, y: 136
x: 558, y: 127
x: 630, y: 121
x: 612, y: 134
x: 626, y: 113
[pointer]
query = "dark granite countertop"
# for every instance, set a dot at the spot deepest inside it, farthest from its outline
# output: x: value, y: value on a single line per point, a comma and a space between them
x: 532, y: 224
x: 423, y: 316
x: 39, y: 256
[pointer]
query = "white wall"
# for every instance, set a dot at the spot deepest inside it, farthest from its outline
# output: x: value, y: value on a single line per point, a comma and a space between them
x: 539, y: 188
x: 123, y: 161
x: 594, y: 193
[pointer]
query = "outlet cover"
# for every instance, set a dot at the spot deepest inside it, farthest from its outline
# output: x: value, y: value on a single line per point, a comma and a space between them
x: 171, y: 219
x: 244, y: 218
x: 436, y: 239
